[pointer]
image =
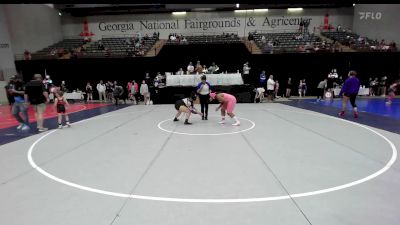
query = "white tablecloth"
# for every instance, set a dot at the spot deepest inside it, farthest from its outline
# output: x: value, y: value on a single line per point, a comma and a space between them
x: 213, y: 79
x: 73, y: 95
x: 362, y: 91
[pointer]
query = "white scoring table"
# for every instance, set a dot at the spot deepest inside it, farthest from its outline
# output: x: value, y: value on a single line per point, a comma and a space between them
x: 222, y: 79
x: 362, y: 91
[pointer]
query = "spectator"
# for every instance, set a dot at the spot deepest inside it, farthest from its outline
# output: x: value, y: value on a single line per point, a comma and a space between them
x: 205, y: 70
x: 100, y: 45
x: 288, y: 87
x: 276, y: 89
x: 263, y: 79
x: 246, y: 73
x: 27, y: 55
x: 101, y: 89
x: 20, y: 106
x: 213, y: 68
x: 190, y: 68
x: 300, y: 88
x: 304, y: 88
x: 144, y: 91
x: 89, y: 92
x: 321, y: 90
x: 180, y: 72
x: 199, y: 68
x: 109, y: 91
x: 382, y: 86
x: 37, y: 95
x: 118, y: 92
x: 270, y: 88
x: 9, y: 86
x: 263, y: 39
x: 63, y: 87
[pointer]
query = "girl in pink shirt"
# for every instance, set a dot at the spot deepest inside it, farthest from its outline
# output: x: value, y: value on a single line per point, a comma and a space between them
x: 228, y: 103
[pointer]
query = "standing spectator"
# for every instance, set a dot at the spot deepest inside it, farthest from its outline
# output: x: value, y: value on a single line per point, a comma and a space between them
x: 63, y: 87
x: 38, y: 96
x: 27, y: 55
x: 204, y: 90
x: 321, y: 90
x: 190, y: 68
x: 263, y: 79
x: 271, y: 88
x: 129, y: 86
x: 350, y: 91
x: 9, y: 87
x: 375, y: 87
x: 382, y: 86
x: 136, y: 87
x: 300, y: 88
x: 144, y: 91
x: 17, y: 91
x: 276, y: 89
x: 288, y: 87
x: 118, y: 92
x: 109, y: 91
x: 301, y: 25
x: 304, y: 88
x: 101, y: 88
x: 134, y: 91
x: 89, y: 92
x: 246, y: 73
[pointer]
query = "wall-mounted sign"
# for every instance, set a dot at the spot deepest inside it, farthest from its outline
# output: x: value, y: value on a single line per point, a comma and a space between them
x: 370, y: 15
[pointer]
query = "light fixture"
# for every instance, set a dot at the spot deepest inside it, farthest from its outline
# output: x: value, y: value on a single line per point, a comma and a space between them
x: 59, y: 13
x: 243, y: 10
x: 354, y: 4
x: 260, y: 10
x: 179, y: 13
x: 237, y: 5
x: 294, y: 9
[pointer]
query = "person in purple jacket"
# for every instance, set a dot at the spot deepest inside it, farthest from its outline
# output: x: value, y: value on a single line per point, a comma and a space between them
x: 350, y: 91
x: 204, y: 90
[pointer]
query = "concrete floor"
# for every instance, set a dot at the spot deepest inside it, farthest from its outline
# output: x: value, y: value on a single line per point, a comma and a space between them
x: 121, y: 168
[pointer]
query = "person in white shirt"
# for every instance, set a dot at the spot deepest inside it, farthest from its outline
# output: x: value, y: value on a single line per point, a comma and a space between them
x: 144, y: 90
x: 180, y: 72
x: 270, y: 88
x: 205, y: 70
x: 246, y: 73
x: 190, y: 68
x: 101, y: 88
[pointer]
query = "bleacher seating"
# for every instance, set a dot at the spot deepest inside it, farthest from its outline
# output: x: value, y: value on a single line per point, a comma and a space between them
x: 204, y: 39
x: 113, y: 47
x: 285, y: 42
x: 357, y: 42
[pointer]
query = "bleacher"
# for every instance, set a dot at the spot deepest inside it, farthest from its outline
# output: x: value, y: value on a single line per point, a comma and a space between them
x: 66, y: 44
x: 205, y: 39
x: 113, y: 47
x: 356, y: 42
x: 284, y: 42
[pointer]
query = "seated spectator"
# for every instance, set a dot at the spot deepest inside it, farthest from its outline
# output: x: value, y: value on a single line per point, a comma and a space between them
x: 250, y: 37
x: 205, y: 70
x: 108, y: 52
x: 190, y: 68
x: 263, y: 39
x: 100, y: 45
x: 27, y: 55
x: 184, y: 40
x: 180, y: 72
x: 199, y: 68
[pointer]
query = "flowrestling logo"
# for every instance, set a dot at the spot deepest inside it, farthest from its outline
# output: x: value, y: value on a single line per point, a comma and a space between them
x: 370, y: 15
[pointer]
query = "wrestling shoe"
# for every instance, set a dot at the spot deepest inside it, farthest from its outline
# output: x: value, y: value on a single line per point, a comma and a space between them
x: 356, y: 115
x: 222, y: 122
x: 236, y: 124
x: 187, y: 122
x: 175, y: 119
x: 341, y: 114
